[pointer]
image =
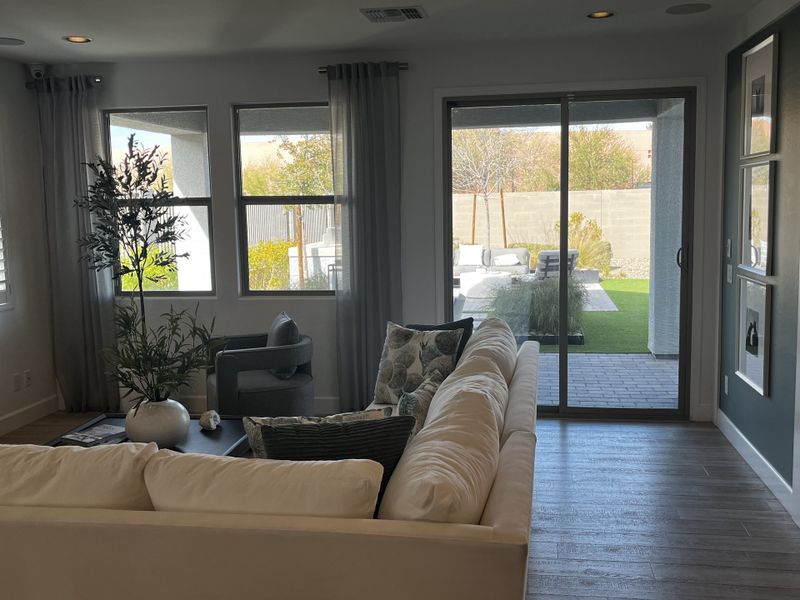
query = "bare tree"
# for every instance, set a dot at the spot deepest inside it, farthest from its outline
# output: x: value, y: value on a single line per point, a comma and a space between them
x: 483, y: 160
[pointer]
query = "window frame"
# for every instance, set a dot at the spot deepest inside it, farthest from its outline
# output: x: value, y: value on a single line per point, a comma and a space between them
x: 188, y: 201
x: 242, y: 202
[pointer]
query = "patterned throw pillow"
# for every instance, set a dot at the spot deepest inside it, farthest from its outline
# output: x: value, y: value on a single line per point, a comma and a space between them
x: 252, y: 425
x: 410, y: 356
x: 416, y: 403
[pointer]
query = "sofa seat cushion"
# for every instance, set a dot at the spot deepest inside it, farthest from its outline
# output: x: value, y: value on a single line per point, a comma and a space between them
x: 447, y: 470
x: 223, y: 484
x: 494, y: 340
x: 110, y: 476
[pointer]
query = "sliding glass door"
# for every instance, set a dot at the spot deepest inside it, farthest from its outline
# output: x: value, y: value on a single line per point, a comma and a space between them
x: 568, y: 219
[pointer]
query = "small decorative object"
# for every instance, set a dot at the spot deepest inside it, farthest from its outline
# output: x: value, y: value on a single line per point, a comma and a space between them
x: 757, y: 218
x: 135, y: 230
x: 209, y: 420
x: 752, y: 360
x: 759, y: 73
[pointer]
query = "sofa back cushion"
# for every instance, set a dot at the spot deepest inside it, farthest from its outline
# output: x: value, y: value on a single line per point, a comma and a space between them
x: 447, y: 470
x: 494, y: 340
x: 477, y: 374
x: 216, y: 484
x: 109, y: 476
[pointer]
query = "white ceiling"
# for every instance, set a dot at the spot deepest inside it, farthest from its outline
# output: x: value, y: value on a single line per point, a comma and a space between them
x: 128, y: 29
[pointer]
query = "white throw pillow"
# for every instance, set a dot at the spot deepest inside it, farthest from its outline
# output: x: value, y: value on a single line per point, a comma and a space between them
x: 470, y: 255
x: 109, y: 476
x: 447, y: 470
x: 506, y: 260
x: 495, y: 340
x: 223, y: 484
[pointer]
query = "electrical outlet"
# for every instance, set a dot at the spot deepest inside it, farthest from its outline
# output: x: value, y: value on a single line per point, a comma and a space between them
x: 27, y: 377
x: 725, y: 384
x: 729, y: 274
x: 17, y: 382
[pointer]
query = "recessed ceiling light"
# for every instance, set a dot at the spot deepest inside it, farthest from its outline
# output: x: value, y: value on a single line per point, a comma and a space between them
x: 600, y: 14
x: 77, y: 39
x: 688, y: 9
x: 7, y: 41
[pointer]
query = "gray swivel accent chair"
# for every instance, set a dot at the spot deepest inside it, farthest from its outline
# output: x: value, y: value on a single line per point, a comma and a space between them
x: 243, y: 381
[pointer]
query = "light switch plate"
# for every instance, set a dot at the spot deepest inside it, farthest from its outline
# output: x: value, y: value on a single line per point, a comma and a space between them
x: 728, y: 247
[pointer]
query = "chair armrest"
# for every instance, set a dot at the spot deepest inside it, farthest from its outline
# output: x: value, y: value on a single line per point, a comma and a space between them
x: 233, y: 342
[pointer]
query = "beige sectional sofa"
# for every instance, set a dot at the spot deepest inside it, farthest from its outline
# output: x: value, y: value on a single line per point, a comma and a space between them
x: 83, y: 553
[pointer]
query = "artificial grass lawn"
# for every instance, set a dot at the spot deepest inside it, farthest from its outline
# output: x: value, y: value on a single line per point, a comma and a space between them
x: 620, y: 332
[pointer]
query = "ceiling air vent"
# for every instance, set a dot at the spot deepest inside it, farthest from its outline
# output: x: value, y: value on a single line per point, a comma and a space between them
x: 394, y: 14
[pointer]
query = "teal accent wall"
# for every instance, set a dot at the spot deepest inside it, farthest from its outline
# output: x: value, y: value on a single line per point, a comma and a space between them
x: 767, y: 422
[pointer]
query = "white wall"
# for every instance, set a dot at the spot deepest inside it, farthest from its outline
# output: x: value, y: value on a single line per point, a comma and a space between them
x: 588, y: 64
x: 25, y: 336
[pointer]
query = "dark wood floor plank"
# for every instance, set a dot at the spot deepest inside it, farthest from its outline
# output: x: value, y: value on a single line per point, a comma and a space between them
x: 655, y: 511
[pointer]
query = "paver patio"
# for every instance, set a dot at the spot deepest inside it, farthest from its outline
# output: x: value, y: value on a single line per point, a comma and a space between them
x: 611, y: 381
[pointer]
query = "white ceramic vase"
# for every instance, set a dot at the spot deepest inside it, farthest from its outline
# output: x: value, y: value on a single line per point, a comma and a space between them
x: 166, y: 423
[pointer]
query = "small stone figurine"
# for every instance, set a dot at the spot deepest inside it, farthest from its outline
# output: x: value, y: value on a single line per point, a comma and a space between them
x: 209, y: 420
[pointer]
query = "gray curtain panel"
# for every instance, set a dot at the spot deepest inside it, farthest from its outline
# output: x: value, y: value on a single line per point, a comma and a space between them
x: 82, y: 300
x: 365, y: 122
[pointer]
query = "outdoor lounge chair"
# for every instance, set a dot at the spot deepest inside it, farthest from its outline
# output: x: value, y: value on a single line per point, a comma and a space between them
x: 548, y: 263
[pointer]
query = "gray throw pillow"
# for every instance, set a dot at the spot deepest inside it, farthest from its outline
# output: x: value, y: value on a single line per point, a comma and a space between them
x: 416, y: 403
x: 381, y: 440
x: 283, y: 332
x: 410, y: 356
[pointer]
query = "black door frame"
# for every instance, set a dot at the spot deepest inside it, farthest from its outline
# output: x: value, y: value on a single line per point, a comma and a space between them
x: 689, y: 96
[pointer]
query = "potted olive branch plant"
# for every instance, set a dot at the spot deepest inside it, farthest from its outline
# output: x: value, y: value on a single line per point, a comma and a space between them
x: 134, y: 235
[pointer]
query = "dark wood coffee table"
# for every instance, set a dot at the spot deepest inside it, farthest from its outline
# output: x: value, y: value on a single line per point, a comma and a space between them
x: 228, y: 439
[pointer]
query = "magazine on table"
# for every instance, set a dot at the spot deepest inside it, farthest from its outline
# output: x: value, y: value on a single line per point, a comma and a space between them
x: 94, y: 436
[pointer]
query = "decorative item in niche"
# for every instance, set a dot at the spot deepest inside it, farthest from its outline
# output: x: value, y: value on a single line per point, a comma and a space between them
x: 752, y: 357
x: 757, y: 217
x: 759, y: 84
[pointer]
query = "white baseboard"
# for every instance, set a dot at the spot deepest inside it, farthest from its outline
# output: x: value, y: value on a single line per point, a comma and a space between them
x: 766, y: 472
x: 28, y: 414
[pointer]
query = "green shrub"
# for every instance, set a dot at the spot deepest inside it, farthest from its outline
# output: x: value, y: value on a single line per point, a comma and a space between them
x: 158, y: 277
x: 586, y: 236
x: 533, y: 307
x: 269, y: 265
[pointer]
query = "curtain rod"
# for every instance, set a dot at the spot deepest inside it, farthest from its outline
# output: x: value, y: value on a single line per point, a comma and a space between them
x: 96, y: 80
x: 403, y: 66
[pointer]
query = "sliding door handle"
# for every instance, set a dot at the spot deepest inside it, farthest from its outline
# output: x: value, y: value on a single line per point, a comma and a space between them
x: 679, y: 258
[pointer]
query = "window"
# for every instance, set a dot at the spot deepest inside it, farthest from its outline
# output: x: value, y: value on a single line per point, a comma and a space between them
x: 182, y: 135
x: 3, y: 272
x: 286, y: 212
